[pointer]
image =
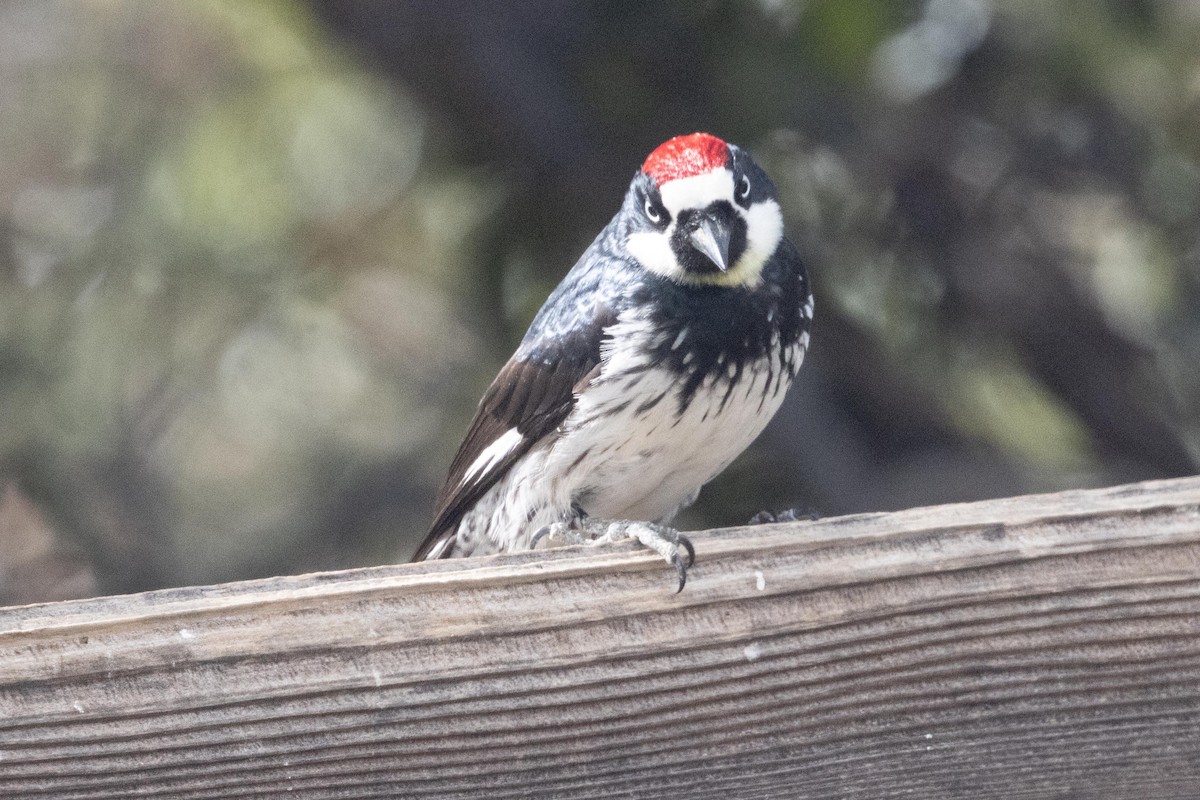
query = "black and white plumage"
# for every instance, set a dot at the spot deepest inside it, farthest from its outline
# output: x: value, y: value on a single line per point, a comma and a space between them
x: 661, y: 355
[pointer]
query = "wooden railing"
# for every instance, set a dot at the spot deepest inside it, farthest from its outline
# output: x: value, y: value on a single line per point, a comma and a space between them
x: 1034, y: 647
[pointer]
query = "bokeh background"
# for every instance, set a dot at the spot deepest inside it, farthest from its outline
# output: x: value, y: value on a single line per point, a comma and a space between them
x: 258, y: 260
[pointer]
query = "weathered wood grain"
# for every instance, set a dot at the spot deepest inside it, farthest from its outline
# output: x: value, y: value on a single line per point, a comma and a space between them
x: 1036, y: 647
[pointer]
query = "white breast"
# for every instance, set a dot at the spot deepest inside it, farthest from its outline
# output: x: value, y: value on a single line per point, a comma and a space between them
x: 624, y: 456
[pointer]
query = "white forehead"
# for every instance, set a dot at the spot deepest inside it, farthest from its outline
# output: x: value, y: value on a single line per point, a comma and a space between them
x: 697, y: 191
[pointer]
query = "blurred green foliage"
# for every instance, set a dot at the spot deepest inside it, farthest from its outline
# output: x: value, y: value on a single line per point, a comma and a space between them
x: 259, y: 259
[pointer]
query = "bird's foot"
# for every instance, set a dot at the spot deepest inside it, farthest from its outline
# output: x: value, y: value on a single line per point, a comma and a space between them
x: 787, y: 515
x: 669, y: 543
x: 558, y: 534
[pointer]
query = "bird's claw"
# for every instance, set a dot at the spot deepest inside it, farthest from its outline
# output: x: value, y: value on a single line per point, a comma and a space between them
x: 675, y: 548
x: 686, y: 543
x: 667, y: 542
x: 787, y: 515
x: 558, y: 534
x: 680, y: 570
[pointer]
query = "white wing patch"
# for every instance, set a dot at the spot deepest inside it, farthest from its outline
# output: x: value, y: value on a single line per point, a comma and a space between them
x: 436, y: 551
x: 492, y: 455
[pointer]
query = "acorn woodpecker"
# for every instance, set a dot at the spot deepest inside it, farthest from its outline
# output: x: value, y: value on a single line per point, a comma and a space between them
x: 658, y: 359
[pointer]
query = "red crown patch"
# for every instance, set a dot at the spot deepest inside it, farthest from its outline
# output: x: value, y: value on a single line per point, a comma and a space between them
x: 685, y: 156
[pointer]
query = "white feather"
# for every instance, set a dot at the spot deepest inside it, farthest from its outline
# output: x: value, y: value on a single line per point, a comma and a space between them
x: 644, y: 464
x: 492, y: 455
x: 697, y: 191
x: 622, y: 461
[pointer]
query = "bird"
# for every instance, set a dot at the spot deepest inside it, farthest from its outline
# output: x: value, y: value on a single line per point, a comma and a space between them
x: 660, y: 356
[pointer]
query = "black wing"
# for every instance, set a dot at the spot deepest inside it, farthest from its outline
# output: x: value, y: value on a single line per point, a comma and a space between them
x: 527, y: 401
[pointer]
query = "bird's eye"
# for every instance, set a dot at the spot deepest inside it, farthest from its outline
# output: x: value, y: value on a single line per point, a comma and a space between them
x: 653, y: 212
x: 743, y: 189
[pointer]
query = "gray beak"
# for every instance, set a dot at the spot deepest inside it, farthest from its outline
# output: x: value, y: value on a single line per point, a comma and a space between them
x: 712, y: 239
